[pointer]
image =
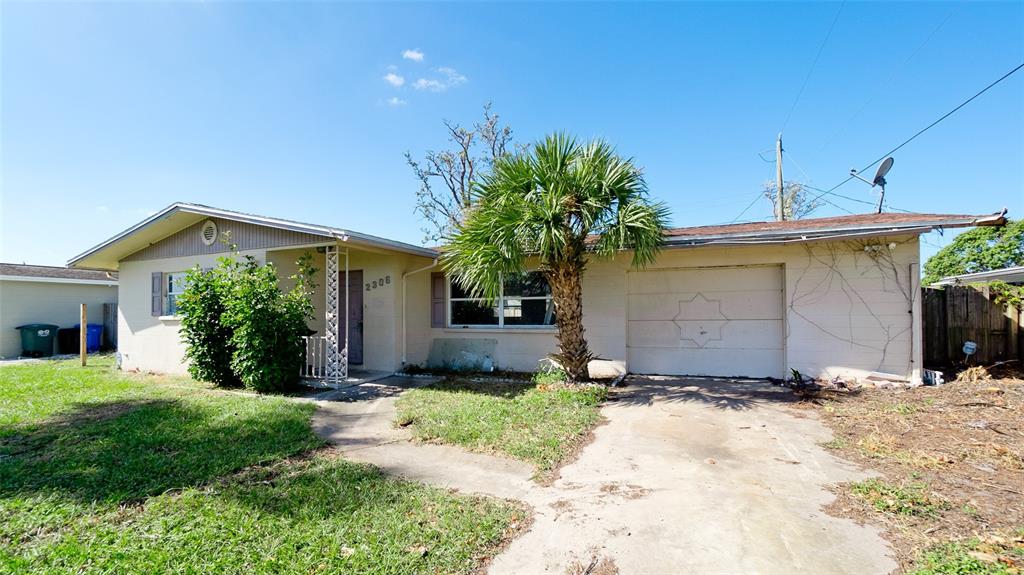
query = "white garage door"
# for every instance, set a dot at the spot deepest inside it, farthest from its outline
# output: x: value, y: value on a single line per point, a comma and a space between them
x: 724, y: 321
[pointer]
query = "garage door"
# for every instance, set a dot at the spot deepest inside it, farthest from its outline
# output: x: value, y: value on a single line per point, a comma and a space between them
x: 724, y: 321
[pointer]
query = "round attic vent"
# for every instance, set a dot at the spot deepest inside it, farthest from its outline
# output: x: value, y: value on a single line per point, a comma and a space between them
x: 208, y: 232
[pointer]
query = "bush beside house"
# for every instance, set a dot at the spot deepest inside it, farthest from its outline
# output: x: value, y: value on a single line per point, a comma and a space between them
x: 240, y: 327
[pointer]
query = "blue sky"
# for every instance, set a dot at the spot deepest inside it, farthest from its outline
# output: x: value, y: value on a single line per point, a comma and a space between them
x: 111, y: 111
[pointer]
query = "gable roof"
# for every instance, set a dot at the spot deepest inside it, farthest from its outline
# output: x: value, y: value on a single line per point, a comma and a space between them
x: 26, y: 272
x: 180, y: 215
x: 860, y: 225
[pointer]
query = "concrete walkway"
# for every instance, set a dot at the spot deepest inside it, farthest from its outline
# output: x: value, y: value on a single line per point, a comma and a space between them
x: 686, y: 476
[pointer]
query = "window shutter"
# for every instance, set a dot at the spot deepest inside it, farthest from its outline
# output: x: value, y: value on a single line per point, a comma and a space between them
x: 437, y: 290
x: 157, y: 294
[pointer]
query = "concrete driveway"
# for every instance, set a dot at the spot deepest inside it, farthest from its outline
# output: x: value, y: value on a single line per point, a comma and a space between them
x: 686, y: 476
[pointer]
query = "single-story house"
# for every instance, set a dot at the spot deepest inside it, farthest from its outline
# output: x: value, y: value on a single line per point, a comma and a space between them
x: 46, y: 294
x: 826, y: 296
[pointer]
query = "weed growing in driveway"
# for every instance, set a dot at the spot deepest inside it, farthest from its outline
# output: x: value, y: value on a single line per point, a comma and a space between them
x: 906, y: 499
x: 542, y: 425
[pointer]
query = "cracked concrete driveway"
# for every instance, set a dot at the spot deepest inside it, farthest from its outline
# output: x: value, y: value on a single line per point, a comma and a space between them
x: 686, y: 476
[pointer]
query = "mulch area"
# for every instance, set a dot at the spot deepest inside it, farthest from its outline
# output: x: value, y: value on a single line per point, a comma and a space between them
x: 962, y: 444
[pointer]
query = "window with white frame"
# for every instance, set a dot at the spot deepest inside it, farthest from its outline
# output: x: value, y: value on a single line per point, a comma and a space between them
x: 175, y: 286
x: 525, y: 302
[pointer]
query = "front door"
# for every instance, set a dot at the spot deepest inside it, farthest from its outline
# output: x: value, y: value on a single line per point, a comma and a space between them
x: 355, y: 314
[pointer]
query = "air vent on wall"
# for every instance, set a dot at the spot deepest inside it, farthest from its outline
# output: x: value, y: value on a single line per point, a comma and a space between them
x: 209, y: 232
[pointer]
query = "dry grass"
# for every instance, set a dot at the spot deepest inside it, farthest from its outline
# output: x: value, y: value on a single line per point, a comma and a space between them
x: 951, y: 460
x: 594, y: 566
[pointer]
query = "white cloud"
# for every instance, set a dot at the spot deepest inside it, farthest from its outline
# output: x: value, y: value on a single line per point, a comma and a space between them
x: 451, y: 79
x: 394, y: 79
x: 431, y: 85
x: 395, y: 102
x: 454, y: 78
x: 414, y: 55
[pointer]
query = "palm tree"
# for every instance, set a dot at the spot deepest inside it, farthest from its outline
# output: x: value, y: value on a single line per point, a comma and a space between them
x: 558, y: 201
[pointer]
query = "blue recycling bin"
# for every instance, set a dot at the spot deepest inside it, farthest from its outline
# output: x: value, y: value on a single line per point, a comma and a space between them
x: 93, y: 336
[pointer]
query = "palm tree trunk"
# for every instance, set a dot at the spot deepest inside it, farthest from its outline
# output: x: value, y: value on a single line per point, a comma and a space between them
x: 567, y: 293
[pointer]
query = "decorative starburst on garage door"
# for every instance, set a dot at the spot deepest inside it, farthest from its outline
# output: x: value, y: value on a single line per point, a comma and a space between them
x: 700, y: 320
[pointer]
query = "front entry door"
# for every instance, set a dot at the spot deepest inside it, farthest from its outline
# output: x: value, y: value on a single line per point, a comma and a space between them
x: 355, y: 314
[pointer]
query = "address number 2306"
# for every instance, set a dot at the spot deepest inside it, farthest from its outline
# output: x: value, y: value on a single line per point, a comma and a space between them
x: 379, y: 282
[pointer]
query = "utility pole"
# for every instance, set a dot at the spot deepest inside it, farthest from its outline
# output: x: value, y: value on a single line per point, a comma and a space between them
x: 780, y: 211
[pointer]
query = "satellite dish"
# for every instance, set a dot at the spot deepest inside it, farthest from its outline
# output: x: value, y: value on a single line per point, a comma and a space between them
x: 882, y: 171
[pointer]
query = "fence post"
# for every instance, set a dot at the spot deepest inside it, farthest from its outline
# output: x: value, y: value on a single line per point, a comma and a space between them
x: 83, y: 329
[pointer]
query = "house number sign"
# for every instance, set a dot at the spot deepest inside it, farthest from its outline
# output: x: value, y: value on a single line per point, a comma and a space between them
x: 377, y: 283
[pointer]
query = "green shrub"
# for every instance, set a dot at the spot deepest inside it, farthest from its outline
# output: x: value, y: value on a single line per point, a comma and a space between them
x: 267, y: 325
x: 208, y: 346
x: 238, y: 326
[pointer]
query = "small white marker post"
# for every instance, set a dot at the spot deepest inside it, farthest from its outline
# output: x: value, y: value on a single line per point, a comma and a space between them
x: 82, y: 329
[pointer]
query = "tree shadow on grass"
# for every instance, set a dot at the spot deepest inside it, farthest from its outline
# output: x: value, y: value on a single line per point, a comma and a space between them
x: 727, y: 394
x: 124, y: 451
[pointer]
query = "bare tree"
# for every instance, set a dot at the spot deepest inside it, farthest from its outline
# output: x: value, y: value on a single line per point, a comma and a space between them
x: 796, y: 203
x: 471, y: 153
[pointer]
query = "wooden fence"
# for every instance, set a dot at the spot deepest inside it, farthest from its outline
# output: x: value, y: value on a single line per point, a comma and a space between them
x: 957, y: 314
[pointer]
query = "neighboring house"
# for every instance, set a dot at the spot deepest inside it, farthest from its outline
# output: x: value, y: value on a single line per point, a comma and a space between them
x: 45, y: 294
x: 827, y: 296
x: 1013, y: 275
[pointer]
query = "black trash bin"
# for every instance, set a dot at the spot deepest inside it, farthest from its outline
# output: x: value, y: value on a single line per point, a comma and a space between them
x: 37, y: 339
x: 67, y: 340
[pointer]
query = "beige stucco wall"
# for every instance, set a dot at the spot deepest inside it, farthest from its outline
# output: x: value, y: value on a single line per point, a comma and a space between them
x: 147, y: 342
x: 153, y: 344
x: 23, y: 302
x: 382, y: 309
x: 845, y: 313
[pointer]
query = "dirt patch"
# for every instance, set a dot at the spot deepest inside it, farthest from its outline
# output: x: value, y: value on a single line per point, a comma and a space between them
x: 596, y: 565
x: 951, y: 459
x: 625, y: 490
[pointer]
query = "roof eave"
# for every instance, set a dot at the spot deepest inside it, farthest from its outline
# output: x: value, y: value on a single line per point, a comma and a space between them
x: 208, y: 211
x: 787, y: 236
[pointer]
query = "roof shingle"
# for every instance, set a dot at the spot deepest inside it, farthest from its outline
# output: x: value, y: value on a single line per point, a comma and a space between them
x: 53, y: 272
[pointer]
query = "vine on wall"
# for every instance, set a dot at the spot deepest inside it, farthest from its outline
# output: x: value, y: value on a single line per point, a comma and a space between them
x: 867, y: 256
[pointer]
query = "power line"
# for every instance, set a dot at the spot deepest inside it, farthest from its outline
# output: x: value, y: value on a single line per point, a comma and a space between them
x: 750, y: 205
x: 837, y: 206
x: 814, y: 65
x: 888, y: 80
x: 797, y: 164
x: 923, y: 130
x: 871, y: 204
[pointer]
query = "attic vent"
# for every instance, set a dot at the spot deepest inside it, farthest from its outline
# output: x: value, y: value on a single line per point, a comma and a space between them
x: 209, y: 232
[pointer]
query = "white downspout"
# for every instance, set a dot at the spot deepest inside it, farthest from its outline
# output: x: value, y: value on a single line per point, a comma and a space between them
x: 404, y: 276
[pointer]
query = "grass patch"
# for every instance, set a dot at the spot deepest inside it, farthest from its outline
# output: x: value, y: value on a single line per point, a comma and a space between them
x: 835, y: 443
x: 102, y: 471
x: 902, y: 408
x: 322, y: 514
x: 907, y: 499
x: 991, y: 556
x: 535, y: 423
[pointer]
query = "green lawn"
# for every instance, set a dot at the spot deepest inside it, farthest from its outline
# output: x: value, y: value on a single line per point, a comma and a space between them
x: 108, y: 472
x: 541, y: 425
